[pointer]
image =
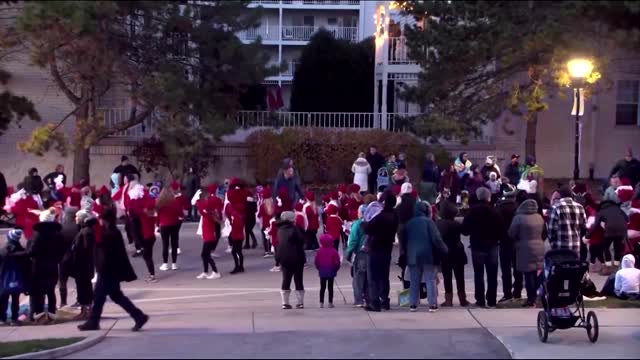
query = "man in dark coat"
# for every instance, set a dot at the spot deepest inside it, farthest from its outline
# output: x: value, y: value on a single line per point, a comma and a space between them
x: 83, y: 263
x: 288, y: 181
x: 3, y: 192
x: 628, y: 167
x: 430, y: 180
x: 49, y: 180
x: 125, y: 169
x: 381, y: 232
x: 376, y: 161
x: 485, y: 227
x: 512, y: 170
x: 507, y: 208
x: 33, y: 182
x: 69, y: 232
x: 113, y: 267
x: 191, y: 184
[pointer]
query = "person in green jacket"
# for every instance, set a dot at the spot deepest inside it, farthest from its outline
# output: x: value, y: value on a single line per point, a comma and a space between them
x: 359, y: 268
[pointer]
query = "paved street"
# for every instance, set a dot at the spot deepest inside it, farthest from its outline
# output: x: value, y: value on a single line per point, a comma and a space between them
x: 239, y: 316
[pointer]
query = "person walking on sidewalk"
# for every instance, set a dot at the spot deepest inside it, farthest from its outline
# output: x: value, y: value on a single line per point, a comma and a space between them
x: 83, y: 261
x: 456, y: 258
x: 484, y: 225
x: 210, y: 208
x: 328, y: 263
x: 113, y: 267
x: 290, y: 255
x: 69, y: 232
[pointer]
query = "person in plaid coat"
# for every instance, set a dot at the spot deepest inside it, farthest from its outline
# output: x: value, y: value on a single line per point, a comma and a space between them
x: 567, y: 222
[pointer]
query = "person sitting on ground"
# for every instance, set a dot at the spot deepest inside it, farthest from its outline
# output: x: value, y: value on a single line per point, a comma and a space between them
x: 625, y: 283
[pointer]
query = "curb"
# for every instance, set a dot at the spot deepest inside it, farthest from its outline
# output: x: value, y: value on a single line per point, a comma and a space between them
x: 66, y: 350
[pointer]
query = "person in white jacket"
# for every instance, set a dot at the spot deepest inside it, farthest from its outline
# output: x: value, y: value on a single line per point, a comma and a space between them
x: 361, y: 170
x: 627, y: 283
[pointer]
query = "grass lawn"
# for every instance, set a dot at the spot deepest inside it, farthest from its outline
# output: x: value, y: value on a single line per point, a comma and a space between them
x: 29, y: 346
x: 608, y: 303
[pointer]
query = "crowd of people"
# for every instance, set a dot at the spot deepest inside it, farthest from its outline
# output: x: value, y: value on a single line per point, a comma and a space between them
x: 64, y: 232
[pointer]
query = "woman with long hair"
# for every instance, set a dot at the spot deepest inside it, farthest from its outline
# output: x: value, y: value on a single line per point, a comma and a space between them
x: 169, y: 211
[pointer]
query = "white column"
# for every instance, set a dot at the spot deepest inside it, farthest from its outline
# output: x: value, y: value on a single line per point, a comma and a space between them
x: 385, y: 64
x: 593, y: 116
x: 361, y: 21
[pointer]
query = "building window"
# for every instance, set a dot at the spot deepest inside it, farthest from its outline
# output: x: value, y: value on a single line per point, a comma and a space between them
x: 627, y: 102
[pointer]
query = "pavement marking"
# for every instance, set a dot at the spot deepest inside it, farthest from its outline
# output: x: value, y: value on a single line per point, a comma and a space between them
x: 202, y: 296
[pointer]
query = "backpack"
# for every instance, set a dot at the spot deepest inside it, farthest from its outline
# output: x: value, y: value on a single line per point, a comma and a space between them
x: 12, y: 281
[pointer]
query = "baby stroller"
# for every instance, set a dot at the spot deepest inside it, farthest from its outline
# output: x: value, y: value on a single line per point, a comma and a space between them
x: 562, y: 281
x: 382, y: 181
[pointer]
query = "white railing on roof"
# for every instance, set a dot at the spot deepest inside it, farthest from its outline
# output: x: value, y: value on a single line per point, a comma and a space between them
x: 399, y: 51
x: 304, y: 33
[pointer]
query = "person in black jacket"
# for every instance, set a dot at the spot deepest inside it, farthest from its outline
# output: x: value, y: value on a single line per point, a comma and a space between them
x: 113, y: 267
x: 3, y: 192
x: 13, y: 257
x: 250, y: 210
x: 512, y: 170
x: 191, y: 184
x: 46, y: 249
x: 83, y: 261
x: 33, y: 182
x: 381, y: 232
x: 454, y: 261
x: 405, y: 211
x: 376, y: 161
x: 484, y: 225
x: 126, y: 169
x: 69, y: 232
x: 49, y: 180
x: 290, y: 256
x: 507, y: 208
x: 430, y: 180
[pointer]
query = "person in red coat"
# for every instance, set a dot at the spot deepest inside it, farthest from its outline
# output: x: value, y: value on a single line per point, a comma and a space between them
x: 333, y: 226
x: 235, y: 212
x: 145, y: 211
x: 22, y: 206
x: 301, y: 218
x: 354, y: 202
x: 633, y: 228
x: 169, y: 211
x: 273, y: 234
x: 595, y: 240
x: 266, y: 213
x: 209, y: 207
x: 310, y: 209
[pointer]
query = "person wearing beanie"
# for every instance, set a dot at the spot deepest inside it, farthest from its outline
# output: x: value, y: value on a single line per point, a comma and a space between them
x: 23, y: 206
x: 301, y: 218
x: 333, y: 226
x: 454, y: 261
x: 113, y: 267
x: 359, y: 267
x: 628, y: 167
x: 15, y: 260
x: 290, y: 255
x: 511, y: 285
x: 328, y: 263
x: 381, y: 231
x: 46, y: 250
x: 485, y: 227
x: 310, y: 210
x: 250, y: 212
x: 400, y: 175
x: 424, y: 248
x: 490, y: 167
x: 210, y: 209
x: 265, y: 214
x: 69, y: 232
x: 83, y: 261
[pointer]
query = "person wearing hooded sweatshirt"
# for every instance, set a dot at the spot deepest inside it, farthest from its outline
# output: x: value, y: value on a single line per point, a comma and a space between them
x: 361, y: 170
x: 424, y: 250
x: 456, y: 258
x: 83, y: 261
x: 528, y: 232
x: 69, y: 232
x: 113, y: 267
x: 33, y: 182
x: 13, y: 259
x: 46, y: 249
x: 627, y: 280
x: 291, y: 257
x: 381, y: 231
x: 355, y: 246
x: 615, y: 231
x: 328, y: 263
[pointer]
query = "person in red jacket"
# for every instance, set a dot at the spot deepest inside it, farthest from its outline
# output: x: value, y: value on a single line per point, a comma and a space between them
x: 169, y: 211
x: 333, y: 226
x: 235, y: 212
x: 273, y: 234
x: 310, y: 209
x: 22, y: 205
x: 301, y: 218
x: 209, y: 207
x: 595, y: 238
x: 354, y: 202
x: 184, y: 202
x: 266, y: 213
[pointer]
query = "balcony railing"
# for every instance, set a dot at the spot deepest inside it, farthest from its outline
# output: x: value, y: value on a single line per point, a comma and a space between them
x: 264, y: 32
x: 307, y: 2
x: 304, y: 33
x: 399, y: 51
x: 291, y: 68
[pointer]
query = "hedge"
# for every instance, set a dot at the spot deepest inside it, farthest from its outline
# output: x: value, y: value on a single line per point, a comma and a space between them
x: 324, y: 156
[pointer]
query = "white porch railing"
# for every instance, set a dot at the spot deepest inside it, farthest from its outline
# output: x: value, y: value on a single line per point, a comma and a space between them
x: 291, y: 68
x: 264, y: 32
x: 399, y: 51
x: 304, y: 33
x: 317, y: 2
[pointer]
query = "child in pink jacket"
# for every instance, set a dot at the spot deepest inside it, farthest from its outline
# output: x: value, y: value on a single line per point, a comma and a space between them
x: 328, y: 264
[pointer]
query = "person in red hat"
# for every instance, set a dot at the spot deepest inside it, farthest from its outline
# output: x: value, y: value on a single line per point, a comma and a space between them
x: 625, y: 194
x: 310, y: 209
x: 209, y: 206
x: 235, y: 212
x: 333, y: 225
x: 300, y: 217
x: 265, y: 214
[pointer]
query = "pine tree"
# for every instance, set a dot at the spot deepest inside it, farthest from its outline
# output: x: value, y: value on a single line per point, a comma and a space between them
x: 479, y: 58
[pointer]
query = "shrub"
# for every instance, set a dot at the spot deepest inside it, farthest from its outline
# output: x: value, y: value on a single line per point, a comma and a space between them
x: 325, y: 156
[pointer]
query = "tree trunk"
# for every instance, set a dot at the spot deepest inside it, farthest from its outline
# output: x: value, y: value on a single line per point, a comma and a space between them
x: 530, y: 136
x: 81, y: 164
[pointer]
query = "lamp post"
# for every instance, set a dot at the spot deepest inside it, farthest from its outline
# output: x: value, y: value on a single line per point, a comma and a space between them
x: 579, y: 70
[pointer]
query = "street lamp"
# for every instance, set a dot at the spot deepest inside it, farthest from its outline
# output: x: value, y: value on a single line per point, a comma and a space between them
x: 579, y: 70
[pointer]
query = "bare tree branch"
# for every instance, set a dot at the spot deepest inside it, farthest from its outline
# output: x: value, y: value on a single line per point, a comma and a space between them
x: 53, y: 68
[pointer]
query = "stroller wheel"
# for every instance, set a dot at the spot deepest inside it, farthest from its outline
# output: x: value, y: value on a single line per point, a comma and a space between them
x: 592, y: 326
x: 543, y: 326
